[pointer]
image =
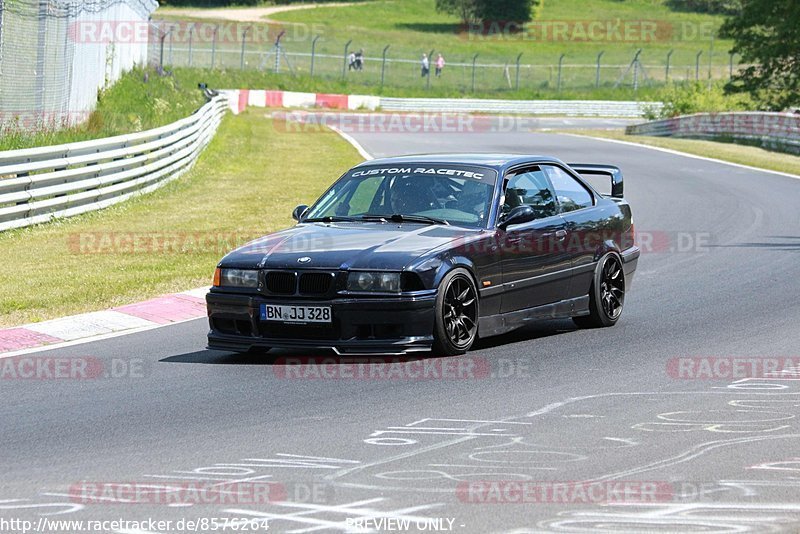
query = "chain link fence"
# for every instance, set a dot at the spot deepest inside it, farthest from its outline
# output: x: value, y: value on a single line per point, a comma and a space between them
x: 56, y: 54
x: 298, y: 51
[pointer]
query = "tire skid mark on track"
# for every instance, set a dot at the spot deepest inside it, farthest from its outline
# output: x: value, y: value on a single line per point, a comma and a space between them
x: 429, y: 470
x: 760, y: 512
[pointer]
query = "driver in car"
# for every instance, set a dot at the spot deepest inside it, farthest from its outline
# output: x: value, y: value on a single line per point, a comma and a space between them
x: 408, y: 196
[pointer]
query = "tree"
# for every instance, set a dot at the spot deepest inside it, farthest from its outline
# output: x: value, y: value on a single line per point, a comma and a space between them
x: 766, y: 34
x: 505, y: 10
x: 470, y: 11
x: 723, y: 7
x: 466, y: 10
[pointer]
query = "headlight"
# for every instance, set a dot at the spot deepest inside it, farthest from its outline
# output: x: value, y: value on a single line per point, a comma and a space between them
x: 238, y: 278
x: 372, y: 281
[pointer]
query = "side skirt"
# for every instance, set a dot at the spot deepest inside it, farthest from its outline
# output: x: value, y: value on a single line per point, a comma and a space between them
x: 494, y: 325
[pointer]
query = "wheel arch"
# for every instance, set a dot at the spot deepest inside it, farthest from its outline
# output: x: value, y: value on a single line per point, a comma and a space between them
x: 609, y: 245
x: 452, y: 263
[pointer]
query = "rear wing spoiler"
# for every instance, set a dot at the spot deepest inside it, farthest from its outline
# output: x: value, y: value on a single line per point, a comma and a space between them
x: 608, y: 170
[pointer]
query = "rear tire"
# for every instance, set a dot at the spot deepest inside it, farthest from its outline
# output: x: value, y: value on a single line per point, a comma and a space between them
x: 456, y: 326
x: 606, y: 295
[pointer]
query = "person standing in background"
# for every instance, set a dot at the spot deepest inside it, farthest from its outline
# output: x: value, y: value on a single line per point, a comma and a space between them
x: 439, y: 65
x: 426, y: 67
x: 360, y: 59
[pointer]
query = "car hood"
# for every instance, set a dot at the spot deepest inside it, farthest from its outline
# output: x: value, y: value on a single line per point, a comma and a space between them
x: 356, y: 245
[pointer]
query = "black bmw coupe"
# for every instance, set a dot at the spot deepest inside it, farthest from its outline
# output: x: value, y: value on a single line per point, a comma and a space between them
x: 429, y: 252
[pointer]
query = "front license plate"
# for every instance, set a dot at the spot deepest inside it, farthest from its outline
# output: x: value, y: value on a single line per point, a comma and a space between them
x: 295, y: 314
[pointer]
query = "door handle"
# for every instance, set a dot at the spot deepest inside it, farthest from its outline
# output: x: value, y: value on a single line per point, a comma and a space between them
x: 561, y: 234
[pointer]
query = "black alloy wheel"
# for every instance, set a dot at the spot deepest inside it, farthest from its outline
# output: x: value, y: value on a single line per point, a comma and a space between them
x: 456, y: 314
x: 606, y: 295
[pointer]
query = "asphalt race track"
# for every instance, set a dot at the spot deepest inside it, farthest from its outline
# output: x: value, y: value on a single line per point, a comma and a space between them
x: 571, y: 410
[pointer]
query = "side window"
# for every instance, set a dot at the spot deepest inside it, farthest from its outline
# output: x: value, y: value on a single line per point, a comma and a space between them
x: 530, y: 188
x: 571, y: 194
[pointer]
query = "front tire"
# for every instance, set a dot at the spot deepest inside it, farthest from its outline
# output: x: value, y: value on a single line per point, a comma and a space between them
x: 606, y: 295
x: 456, y: 314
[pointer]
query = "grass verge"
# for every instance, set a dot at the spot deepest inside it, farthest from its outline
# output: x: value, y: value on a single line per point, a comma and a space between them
x: 139, y: 100
x: 414, y: 26
x: 734, y: 153
x: 580, y: 29
x: 244, y: 185
x: 256, y: 79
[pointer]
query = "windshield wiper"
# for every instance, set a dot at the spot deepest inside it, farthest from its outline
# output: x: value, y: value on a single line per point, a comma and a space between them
x: 399, y: 217
x: 330, y: 219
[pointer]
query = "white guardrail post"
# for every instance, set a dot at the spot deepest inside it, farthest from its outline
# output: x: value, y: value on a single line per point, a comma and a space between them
x: 43, y: 183
x: 775, y: 131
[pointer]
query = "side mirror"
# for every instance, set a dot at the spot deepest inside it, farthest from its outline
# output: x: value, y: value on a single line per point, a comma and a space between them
x: 518, y: 215
x: 299, y: 212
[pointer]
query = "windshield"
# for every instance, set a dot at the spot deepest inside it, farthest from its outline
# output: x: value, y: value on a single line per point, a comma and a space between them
x: 458, y: 195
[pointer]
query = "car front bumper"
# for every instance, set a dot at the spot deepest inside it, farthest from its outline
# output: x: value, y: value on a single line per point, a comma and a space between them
x: 368, y: 325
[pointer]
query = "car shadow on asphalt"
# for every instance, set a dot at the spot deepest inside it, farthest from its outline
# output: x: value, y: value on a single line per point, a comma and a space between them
x: 538, y: 330
x: 219, y: 357
x: 277, y: 357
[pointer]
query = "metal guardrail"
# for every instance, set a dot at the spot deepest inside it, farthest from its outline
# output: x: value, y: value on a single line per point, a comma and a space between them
x: 239, y: 99
x: 574, y: 108
x: 43, y: 183
x: 775, y: 131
